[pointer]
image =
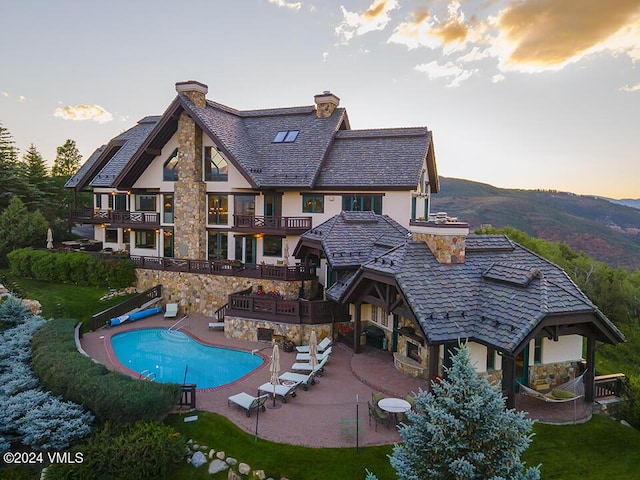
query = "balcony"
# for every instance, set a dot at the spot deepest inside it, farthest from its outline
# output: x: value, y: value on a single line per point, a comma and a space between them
x: 308, y: 312
x: 271, y: 225
x: 116, y: 218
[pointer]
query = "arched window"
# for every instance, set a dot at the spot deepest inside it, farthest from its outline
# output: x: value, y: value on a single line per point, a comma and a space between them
x: 170, y: 172
x: 216, y: 167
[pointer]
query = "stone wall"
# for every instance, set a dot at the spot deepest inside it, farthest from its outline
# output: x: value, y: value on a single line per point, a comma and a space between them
x: 246, y: 329
x: 204, y: 293
x: 546, y: 376
x: 446, y: 248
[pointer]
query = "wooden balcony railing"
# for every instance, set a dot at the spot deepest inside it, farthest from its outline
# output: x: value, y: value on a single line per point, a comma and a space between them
x: 608, y: 385
x: 301, y: 311
x: 217, y: 267
x: 266, y: 224
x: 116, y: 217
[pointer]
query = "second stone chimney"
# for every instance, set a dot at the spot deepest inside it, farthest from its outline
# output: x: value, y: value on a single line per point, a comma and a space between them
x: 326, y: 103
x: 196, y: 91
x: 445, y: 237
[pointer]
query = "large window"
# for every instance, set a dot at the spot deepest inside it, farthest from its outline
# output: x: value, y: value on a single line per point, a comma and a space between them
x: 118, y: 202
x: 216, y: 167
x: 98, y: 202
x: 145, y: 239
x: 111, y: 235
x: 170, y: 170
x: 312, y: 203
x: 362, y: 203
x: 218, y: 209
x: 271, y: 246
x: 537, y: 350
x: 218, y: 245
x: 167, y: 208
x: 145, y: 203
x: 491, y: 359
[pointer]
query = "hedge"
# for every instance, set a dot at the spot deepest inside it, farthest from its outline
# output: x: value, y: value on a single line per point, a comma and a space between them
x: 108, y: 394
x: 72, y: 267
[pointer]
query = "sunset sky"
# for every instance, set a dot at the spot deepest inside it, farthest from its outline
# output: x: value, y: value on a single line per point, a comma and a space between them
x: 518, y: 94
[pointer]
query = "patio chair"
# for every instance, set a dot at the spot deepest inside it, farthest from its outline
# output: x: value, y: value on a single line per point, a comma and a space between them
x: 171, y: 310
x: 376, y: 397
x: 248, y: 402
x: 216, y: 325
x: 306, y: 367
x: 302, y: 378
x: 305, y: 357
x: 282, y: 391
x: 412, y: 401
x: 378, y: 415
x: 322, y: 346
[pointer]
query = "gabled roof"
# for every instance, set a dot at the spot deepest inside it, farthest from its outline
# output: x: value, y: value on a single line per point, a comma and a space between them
x: 497, y: 297
x: 324, y: 154
x: 351, y: 239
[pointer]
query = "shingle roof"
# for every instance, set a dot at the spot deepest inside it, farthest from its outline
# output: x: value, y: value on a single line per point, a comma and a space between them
x: 85, y: 168
x: 497, y: 296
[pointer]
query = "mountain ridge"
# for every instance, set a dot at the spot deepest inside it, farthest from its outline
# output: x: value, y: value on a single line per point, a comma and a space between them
x: 604, y: 230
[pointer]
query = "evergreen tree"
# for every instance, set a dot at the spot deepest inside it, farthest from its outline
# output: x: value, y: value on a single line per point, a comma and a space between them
x: 19, y: 228
x: 463, y: 431
x: 67, y: 161
x: 33, y: 169
x: 11, y: 182
x: 8, y: 150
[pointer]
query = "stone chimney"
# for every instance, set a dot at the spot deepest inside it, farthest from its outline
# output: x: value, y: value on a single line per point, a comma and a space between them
x: 196, y: 91
x: 326, y: 103
x: 445, y: 236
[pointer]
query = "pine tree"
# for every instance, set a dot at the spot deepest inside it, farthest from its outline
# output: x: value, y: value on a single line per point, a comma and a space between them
x: 8, y: 150
x: 463, y: 431
x: 11, y: 182
x: 67, y: 161
x: 39, y: 191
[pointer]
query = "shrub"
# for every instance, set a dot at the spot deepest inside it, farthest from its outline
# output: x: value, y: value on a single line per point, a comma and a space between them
x: 144, y: 450
x: 630, y: 409
x: 13, y: 312
x: 109, y: 395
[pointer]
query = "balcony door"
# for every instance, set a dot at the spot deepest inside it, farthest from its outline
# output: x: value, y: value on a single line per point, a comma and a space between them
x: 246, y: 248
x: 272, y: 208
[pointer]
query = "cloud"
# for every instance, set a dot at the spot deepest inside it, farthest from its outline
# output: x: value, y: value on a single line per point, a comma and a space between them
x: 285, y: 4
x: 540, y: 35
x: 449, y: 71
x: 633, y: 88
x: 83, y: 112
x: 5, y: 94
x: 21, y: 98
x: 376, y: 17
x: 497, y: 78
x: 325, y: 55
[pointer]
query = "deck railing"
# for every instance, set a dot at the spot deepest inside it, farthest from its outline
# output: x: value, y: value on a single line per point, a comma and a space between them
x: 222, y: 267
x: 100, y: 319
x: 300, y: 311
x: 115, y: 217
x: 608, y: 385
x: 269, y: 224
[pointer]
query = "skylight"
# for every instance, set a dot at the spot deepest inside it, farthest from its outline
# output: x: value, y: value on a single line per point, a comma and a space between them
x: 286, y: 136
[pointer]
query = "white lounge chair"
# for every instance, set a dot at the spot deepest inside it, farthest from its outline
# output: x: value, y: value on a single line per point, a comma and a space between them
x: 306, y: 367
x: 248, y: 402
x: 304, y: 357
x: 302, y: 378
x: 280, y: 390
x: 216, y: 325
x: 322, y: 346
x: 171, y: 310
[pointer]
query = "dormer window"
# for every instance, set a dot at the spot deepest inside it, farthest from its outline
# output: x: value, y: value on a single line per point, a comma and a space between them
x: 216, y: 167
x: 286, y: 136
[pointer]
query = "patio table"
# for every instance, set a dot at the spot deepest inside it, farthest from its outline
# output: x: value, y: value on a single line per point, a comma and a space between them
x: 394, y: 406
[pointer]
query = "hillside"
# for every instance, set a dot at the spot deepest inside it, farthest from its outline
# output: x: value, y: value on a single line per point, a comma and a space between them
x: 606, y: 231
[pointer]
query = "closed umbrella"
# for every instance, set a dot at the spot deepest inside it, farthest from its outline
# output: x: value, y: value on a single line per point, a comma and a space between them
x: 49, y: 239
x: 275, y: 370
x: 286, y: 253
x: 313, y: 350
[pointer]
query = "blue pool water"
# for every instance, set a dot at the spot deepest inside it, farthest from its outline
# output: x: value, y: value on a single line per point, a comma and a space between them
x: 165, y: 355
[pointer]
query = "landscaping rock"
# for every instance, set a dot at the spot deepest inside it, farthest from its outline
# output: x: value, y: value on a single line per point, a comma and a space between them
x: 259, y: 474
x: 244, y: 469
x: 198, y: 459
x: 195, y: 447
x: 232, y: 461
x: 217, y: 466
x: 220, y: 455
x: 212, y: 452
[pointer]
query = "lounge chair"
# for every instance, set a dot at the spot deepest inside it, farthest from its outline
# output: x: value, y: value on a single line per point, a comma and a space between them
x: 302, y: 378
x: 216, y: 325
x: 171, y: 310
x: 282, y: 391
x: 322, y: 346
x: 304, y: 357
x: 306, y: 367
x: 248, y: 402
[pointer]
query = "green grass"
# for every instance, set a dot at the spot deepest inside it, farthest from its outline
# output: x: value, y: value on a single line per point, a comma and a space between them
x: 63, y: 301
x: 601, y: 448
x: 279, y: 460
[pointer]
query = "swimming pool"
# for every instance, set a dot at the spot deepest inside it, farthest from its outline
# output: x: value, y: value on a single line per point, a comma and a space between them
x: 165, y: 356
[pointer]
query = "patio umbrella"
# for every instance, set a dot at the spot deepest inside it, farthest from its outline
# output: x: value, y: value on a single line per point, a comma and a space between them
x: 49, y: 239
x: 286, y: 253
x: 313, y: 350
x: 275, y: 370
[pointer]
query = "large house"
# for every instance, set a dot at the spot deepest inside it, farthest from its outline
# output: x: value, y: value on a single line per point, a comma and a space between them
x: 286, y: 220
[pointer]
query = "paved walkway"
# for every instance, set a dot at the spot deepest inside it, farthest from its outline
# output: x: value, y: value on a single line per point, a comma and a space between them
x: 323, y: 416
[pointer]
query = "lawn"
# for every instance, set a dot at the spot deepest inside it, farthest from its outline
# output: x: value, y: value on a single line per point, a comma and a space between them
x: 61, y: 300
x: 591, y: 451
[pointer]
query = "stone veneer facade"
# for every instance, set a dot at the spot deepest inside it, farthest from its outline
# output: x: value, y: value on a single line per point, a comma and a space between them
x: 446, y: 248
x: 247, y: 329
x: 190, y: 189
x: 204, y: 293
x: 550, y: 375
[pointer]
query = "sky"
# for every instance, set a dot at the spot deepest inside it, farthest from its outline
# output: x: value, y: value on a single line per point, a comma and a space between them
x: 533, y: 94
